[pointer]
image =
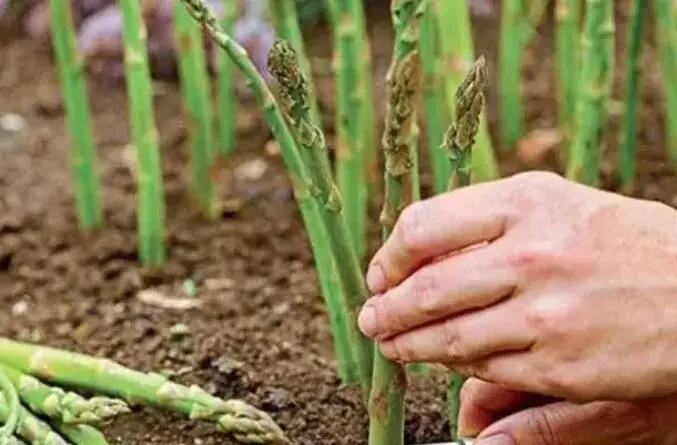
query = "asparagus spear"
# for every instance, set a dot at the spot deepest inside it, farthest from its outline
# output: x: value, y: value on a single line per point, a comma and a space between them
x: 568, y: 16
x: 197, y: 108
x: 82, y: 156
x: 458, y: 53
x: 81, y: 434
x: 226, y: 89
x: 151, y: 206
x: 283, y: 64
x: 458, y: 143
x: 665, y: 13
x: 509, y: 65
x: 626, y: 153
x: 305, y: 191
x: 386, y: 404
x: 246, y: 423
x: 33, y: 430
x: 593, y: 91
x: 59, y: 405
x: 11, y: 417
x: 352, y: 103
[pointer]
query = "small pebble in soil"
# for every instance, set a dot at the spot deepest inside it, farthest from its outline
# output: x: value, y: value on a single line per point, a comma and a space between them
x: 12, y: 122
x: 179, y: 330
x: 276, y: 399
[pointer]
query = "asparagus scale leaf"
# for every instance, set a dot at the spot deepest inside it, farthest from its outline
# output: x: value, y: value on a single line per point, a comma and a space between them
x: 11, y: 417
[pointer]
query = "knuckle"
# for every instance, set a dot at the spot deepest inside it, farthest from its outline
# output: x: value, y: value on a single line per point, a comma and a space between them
x: 386, y: 318
x: 410, y: 228
x: 423, y: 291
x: 561, y: 381
x: 455, y: 350
x: 552, y: 317
x: 396, y: 350
x: 536, y: 178
x: 540, y: 425
x: 537, y: 256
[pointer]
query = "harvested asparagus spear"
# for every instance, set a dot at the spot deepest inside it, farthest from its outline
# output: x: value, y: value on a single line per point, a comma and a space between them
x: 246, y: 423
x: 594, y: 88
x: 81, y: 434
x: 82, y: 154
x: 197, y: 109
x: 304, y: 189
x: 386, y: 404
x: 11, y: 398
x: 61, y: 406
x: 458, y: 143
x: 628, y: 147
x: 31, y: 429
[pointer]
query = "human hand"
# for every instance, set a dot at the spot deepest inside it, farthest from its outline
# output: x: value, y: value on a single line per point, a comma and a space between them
x: 499, y: 416
x: 533, y: 282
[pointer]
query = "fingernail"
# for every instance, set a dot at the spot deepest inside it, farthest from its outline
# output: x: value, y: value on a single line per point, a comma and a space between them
x: 367, y: 320
x: 376, y: 279
x: 498, y: 439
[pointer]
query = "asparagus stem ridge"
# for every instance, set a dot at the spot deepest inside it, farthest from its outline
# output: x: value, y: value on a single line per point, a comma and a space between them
x: 11, y: 398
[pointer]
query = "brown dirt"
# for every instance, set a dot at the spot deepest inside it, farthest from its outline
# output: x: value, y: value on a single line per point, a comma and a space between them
x: 261, y: 333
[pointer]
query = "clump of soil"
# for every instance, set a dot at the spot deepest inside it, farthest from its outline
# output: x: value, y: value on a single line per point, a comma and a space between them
x: 257, y: 330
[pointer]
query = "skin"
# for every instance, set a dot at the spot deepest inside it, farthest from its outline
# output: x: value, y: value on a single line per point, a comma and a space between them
x: 536, y: 283
x: 499, y: 416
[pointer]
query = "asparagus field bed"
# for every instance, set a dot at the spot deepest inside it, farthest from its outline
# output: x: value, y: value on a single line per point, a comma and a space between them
x: 260, y: 332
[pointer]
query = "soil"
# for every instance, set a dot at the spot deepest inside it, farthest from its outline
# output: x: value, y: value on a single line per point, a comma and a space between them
x: 259, y: 331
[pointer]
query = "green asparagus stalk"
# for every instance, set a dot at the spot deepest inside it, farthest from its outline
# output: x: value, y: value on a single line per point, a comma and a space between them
x: 458, y: 54
x: 33, y: 430
x: 458, y: 143
x: 226, y: 86
x: 81, y: 434
x: 13, y: 440
x: 568, y: 17
x: 283, y: 64
x: 433, y: 86
x: 356, y: 290
x: 11, y: 418
x: 73, y: 85
x: 665, y: 13
x: 288, y: 27
x: 194, y: 83
x: 386, y: 404
x: 511, y: 46
x: 628, y: 146
x: 151, y: 206
x: 351, y: 100
x: 370, y: 146
x: 246, y: 423
x: 593, y: 93
x: 61, y: 406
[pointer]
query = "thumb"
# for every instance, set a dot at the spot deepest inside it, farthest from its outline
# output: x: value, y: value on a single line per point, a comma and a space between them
x: 570, y: 424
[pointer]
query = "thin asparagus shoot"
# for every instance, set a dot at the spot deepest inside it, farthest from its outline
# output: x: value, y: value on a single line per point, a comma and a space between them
x: 150, y: 202
x: 665, y: 13
x: 244, y: 422
x: 30, y: 428
x: 593, y: 92
x: 458, y: 54
x: 389, y: 384
x: 11, y: 417
x: 82, y: 155
x: 458, y: 143
x: 628, y: 146
x: 284, y: 65
x: 62, y: 406
x: 226, y: 108
x: 194, y: 83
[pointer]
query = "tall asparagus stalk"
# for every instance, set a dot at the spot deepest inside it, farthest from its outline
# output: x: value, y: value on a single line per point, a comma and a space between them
x: 288, y: 27
x: 355, y: 288
x: 433, y: 85
x: 150, y: 204
x: 458, y: 53
x: 226, y: 86
x: 11, y: 417
x: 61, y: 406
x: 243, y: 421
x: 386, y: 404
x: 509, y: 66
x: 626, y: 154
x: 197, y: 108
x: 665, y: 13
x: 73, y: 85
x: 458, y: 143
x: 593, y: 91
x: 351, y: 100
x: 284, y: 64
x: 567, y: 36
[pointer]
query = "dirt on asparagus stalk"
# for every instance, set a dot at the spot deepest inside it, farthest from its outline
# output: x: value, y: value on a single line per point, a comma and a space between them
x: 62, y: 406
x: 458, y: 143
x: 244, y: 422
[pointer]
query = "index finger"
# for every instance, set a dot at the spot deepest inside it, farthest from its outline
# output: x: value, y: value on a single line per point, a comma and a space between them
x: 437, y: 226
